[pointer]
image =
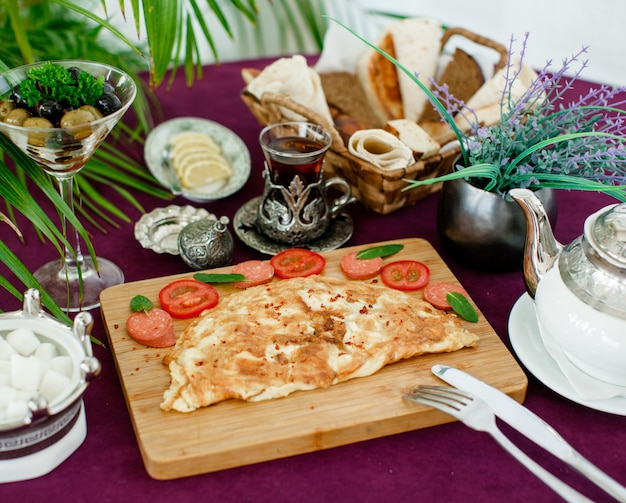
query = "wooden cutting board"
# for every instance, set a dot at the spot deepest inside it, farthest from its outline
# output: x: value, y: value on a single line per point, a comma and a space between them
x: 235, y: 433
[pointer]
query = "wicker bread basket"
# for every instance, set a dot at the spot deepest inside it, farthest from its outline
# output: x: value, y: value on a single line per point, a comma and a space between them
x: 379, y: 189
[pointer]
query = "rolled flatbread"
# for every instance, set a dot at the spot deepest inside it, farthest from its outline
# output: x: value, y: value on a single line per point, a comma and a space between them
x: 381, y: 149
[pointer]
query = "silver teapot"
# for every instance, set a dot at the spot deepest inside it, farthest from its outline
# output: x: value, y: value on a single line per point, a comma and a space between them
x: 580, y: 288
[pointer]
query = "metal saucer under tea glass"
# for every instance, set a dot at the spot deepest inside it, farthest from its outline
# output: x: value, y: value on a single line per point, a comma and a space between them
x: 244, y: 223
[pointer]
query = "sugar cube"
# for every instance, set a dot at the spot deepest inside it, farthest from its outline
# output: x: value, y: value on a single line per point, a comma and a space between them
x: 23, y: 340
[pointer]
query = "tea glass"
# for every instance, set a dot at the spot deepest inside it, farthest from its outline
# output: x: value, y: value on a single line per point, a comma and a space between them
x: 295, y: 208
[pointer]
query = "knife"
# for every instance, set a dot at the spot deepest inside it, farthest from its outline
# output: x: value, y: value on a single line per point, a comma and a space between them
x: 531, y: 426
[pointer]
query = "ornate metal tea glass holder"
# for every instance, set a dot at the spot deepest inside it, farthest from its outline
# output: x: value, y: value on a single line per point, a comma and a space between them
x: 299, y: 213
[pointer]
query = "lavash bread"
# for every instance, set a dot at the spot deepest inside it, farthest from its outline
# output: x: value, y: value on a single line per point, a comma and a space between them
x: 412, y: 135
x: 295, y: 79
x: 415, y: 44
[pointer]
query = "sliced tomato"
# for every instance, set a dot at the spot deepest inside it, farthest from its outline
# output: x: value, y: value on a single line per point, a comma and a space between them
x: 356, y: 268
x: 405, y: 275
x: 297, y: 262
x: 256, y: 272
x: 435, y: 293
x: 186, y: 298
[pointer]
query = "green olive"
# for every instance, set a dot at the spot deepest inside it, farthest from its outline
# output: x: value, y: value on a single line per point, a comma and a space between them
x: 17, y: 116
x: 93, y: 110
x: 36, y: 138
x: 78, y: 117
x: 5, y: 107
x: 37, y: 122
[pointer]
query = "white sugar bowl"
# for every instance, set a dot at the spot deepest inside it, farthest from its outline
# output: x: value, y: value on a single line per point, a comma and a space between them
x: 45, y: 367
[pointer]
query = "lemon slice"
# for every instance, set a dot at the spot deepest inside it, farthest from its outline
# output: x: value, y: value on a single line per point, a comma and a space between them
x: 204, y: 172
x: 189, y: 139
x: 197, y: 159
x: 183, y: 160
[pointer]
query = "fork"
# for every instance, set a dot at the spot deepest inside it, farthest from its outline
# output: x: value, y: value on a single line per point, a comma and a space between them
x: 475, y: 413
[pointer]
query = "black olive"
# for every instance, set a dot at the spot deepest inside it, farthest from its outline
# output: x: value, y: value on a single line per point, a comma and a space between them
x: 16, y: 98
x: 108, y: 103
x: 108, y: 87
x: 75, y: 72
x: 51, y: 110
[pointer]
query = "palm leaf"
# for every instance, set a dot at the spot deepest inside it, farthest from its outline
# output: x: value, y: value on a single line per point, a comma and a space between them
x: 21, y: 38
x: 100, y: 22
x: 28, y: 280
x: 162, y: 26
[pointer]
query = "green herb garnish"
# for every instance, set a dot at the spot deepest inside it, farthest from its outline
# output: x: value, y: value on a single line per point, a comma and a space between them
x: 461, y: 306
x: 379, y: 251
x: 140, y: 303
x: 54, y: 82
x: 218, y: 278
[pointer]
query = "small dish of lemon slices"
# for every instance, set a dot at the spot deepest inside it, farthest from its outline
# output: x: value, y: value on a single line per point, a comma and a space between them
x: 198, y: 158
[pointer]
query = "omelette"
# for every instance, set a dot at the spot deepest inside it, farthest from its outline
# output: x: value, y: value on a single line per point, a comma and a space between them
x: 299, y: 334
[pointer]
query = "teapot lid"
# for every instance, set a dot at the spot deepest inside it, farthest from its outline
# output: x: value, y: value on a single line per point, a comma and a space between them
x: 608, y: 233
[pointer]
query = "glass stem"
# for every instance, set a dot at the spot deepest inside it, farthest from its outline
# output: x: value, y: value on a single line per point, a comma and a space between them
x: 73, y: 260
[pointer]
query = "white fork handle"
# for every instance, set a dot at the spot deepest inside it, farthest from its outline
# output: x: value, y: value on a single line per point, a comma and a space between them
x: 561, y: 488
x: 597, y: 476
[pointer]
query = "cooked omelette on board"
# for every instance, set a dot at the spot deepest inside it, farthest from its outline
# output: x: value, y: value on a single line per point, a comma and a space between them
x: 299, y: 334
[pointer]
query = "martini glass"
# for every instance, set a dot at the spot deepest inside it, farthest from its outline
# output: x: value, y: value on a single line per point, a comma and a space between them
x: 74, y: 281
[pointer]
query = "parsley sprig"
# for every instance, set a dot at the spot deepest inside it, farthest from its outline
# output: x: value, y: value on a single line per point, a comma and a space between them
x: 54, y: 82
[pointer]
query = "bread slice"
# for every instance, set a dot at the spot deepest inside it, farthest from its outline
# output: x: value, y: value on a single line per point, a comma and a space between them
x: 412, y: 135
x: 439, y: 131
x: 463, y: 76
x: 346, y: 98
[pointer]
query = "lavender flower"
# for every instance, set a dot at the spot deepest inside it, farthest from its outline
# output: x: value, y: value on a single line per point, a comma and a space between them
x: 540, y: 141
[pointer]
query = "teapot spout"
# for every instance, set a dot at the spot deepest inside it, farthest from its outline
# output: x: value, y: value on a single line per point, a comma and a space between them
x: 541, y: 249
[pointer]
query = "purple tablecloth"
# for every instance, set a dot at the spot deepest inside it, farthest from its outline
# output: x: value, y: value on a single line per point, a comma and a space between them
x: 443, y: 463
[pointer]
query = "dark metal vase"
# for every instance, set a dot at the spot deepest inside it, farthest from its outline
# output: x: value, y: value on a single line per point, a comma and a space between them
x: 482, y: 229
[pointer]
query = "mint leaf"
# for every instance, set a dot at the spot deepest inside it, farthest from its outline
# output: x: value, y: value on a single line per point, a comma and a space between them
x: 140, y: 303
x: 218, y: 278
x: 461, y: 306
x: 379, y: 251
